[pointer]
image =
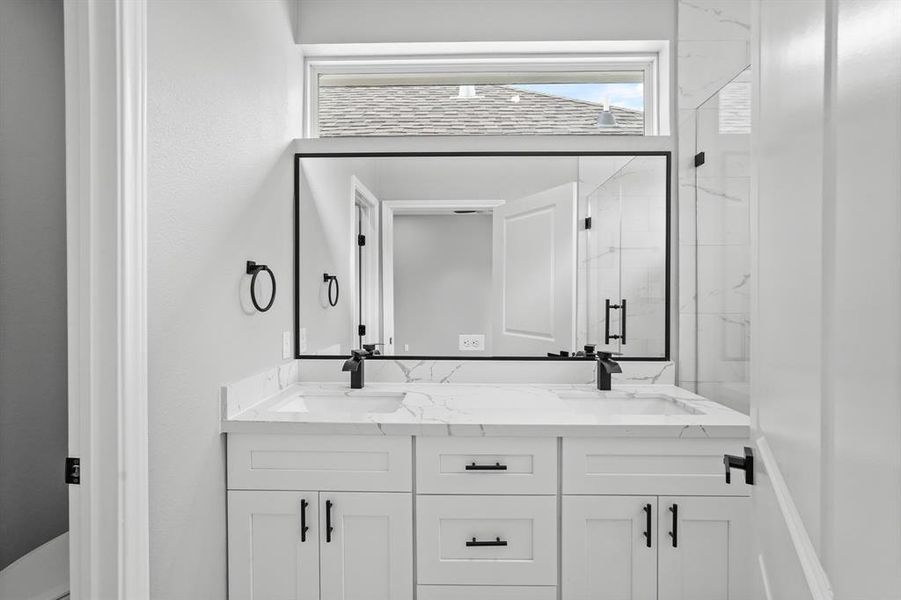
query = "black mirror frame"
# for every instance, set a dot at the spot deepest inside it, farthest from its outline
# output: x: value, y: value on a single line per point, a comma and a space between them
x: 668, y: 259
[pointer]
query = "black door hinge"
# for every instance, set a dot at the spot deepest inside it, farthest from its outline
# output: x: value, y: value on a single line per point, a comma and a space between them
x: 361, y: 240
x: 361, y: 330
x: 699, y: 159
x: 587, y: 222
x: 73, y: 471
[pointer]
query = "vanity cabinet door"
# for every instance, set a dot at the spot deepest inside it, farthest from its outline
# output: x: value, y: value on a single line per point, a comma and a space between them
x: 704, y: 548
x: 366, y: 546
x: 269, y: 557
x: 606, y: 552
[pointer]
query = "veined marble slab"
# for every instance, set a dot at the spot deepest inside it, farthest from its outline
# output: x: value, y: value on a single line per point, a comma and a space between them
x: 246, y: 392
x: 487, y: 371
x: 437, y: 409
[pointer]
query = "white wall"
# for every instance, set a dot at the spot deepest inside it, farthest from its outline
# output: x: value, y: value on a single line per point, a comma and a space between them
x: 327, y: 243
x: 223, y: 107
x: 827, y: 234
x: 358, y: 21
x: 472, y: 178
x: 442, y: 282
x: 33, y: 411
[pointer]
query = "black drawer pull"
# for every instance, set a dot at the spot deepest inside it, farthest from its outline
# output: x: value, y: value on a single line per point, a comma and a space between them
x: 474, y: 543
x: 328, y: 521
x: 495, y: 467
x: 303, y: 519
x: 675, y: 532
x: 647, y: 529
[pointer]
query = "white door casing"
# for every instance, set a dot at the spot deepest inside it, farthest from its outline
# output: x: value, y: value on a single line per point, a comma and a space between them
x: 106, y: 214
x: 389, y: 209
x: 366, y: 297
x: 534, y: 273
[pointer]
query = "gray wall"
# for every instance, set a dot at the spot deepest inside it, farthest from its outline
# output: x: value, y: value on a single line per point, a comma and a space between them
x: 442, y: 282
x: 223, y: 110
x: 33, y: 410
x: 357, y: 21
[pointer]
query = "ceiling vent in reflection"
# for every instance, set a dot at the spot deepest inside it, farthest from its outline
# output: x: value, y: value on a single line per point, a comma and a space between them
x: 606, y: 118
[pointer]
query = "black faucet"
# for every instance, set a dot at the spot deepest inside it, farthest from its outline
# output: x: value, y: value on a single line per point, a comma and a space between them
x: 355, y: 365
x: 606, y: 366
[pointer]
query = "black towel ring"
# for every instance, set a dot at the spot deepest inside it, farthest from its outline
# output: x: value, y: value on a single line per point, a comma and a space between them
x: 332, y: 279
x: 254, y: 269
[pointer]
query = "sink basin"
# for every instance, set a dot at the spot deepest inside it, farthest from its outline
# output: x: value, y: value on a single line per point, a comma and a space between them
x: 625, y: 404
x: 342, y: 402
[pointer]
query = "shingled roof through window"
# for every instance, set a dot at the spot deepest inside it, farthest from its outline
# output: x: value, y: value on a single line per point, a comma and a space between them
x: 438, y: 110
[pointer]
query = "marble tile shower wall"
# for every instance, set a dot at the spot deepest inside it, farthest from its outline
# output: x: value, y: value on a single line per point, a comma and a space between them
x: 714, y: 216
x: 623, y: 256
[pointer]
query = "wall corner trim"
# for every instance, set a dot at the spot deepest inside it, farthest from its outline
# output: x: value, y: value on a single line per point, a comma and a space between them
x: 106, y: 207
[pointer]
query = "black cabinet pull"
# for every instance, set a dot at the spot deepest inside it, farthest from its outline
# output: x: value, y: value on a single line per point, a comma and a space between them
x: 647, y: 526
x: 675, y: 532
x: 328, y: 521
x: 303, y: 519
x: 474, y: 543
x: 495, y: 467
x: 622, y: 322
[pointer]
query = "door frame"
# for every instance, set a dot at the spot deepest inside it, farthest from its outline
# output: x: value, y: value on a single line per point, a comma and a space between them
x: 362, y: 196
x: 391, y: 208
x: 106, y: 230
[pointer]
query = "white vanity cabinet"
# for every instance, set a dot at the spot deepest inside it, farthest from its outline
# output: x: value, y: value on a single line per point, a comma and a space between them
x: 648, y: 519
x: 655, y: 548
x: 710, y: 557
x: 332, y: 517
x: 609, y: 547
x: 328, y: 543
x: 268, y: 556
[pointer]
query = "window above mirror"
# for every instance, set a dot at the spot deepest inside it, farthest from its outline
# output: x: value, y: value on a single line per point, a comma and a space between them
x: 527, y: 93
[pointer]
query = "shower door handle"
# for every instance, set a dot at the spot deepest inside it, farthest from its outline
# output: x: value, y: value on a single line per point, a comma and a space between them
x: 621, y: 336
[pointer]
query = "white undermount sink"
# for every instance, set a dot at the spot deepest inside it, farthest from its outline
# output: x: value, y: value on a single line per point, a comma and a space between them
x: 623, y: 404
x: 342, y: 402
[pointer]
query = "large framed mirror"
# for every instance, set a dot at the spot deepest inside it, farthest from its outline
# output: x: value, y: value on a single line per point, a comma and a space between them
x: 501, y: 256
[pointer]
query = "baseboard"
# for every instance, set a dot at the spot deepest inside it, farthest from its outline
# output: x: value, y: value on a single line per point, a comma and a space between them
x: 42, y: 574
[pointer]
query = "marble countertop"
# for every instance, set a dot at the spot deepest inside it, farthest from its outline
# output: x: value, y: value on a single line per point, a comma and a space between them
x: 437, y: 409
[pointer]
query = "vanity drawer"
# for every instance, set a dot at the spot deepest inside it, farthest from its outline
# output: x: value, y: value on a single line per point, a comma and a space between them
x: 487, y: 540
x: 319, y: 462
x: 486, y: 592
x: 486, y: 465
x: 638, y: 467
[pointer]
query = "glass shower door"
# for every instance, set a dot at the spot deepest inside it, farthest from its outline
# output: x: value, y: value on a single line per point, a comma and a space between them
x: 625, y: 259
x: 602, y: 268
x: 643, y: 257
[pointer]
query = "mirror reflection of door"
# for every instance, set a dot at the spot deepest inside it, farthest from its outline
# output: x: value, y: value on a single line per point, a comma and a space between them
x: 534, y: 282
x: 366, y: 265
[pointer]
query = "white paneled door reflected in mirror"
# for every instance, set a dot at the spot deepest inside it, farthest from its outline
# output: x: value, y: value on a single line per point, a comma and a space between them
x: 483, y: 255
